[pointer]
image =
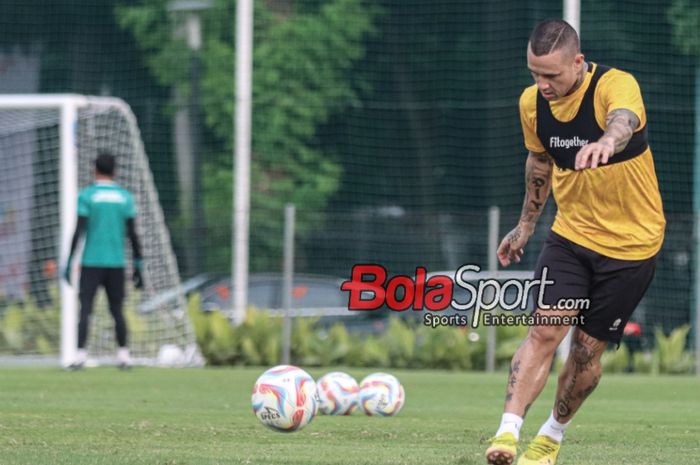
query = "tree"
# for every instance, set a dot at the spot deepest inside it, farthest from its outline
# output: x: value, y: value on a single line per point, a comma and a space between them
x: 685, y: 18
x: 301, y: 74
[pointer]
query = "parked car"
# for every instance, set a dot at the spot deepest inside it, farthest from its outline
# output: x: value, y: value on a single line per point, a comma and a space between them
x: 312, y: 296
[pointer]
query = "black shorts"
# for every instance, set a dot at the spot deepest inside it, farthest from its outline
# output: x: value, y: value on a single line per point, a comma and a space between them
x: 112, y: 279
x: 614, y: 287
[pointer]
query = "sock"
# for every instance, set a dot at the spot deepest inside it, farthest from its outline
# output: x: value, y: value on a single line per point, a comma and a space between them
x: 510, y: 423
x: 123, y: 355
x: 81, y: 356
x: 553, y: 428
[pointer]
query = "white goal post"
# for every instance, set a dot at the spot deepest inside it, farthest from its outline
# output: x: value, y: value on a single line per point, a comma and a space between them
x: 38, y: 132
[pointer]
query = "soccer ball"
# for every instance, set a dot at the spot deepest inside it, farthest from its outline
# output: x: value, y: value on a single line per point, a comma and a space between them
x: 381, y: 394
x: 170, y: 355
x: 337, y: 392
x: 285, y: 398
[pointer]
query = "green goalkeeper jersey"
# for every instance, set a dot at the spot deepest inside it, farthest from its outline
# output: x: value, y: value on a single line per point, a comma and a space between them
x: 107, y: 207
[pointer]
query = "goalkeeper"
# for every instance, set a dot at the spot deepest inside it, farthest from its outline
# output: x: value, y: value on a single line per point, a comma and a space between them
x: 105, y: 212
x: 585, y: 129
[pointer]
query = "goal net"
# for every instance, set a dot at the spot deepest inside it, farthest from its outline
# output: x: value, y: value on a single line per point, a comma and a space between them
x: 47, y: 148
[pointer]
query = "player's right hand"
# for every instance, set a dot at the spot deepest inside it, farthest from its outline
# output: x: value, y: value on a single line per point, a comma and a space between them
x: 67, y: 272
x: 511, y: 248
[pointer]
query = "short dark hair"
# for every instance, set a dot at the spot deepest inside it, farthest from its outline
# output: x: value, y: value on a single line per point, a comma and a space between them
x: 552, y: 35
x: 104, y: 164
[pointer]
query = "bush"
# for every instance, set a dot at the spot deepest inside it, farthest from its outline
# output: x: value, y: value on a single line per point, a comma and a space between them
x: 27, y: 328
x: 642, y: 362
x: 444, y: 347
x: 508, y: 340
x: 616, y: 361
x: 399, y: 342
x: 670, y: 355
x: 334, y: 345
x: 258, y: 342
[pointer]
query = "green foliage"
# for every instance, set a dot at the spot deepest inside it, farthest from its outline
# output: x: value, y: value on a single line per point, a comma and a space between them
x: 616, y: 361
x: 258, y: 342
x: 27, y: 328
x: 198, y: 319
x: 368, y: 352
x: 444, y: 347
x: 399, y: 343
x: 334, y: 346
x: 222, y: 346
x: 255, y: 342
x: 152, y: 27
x: 254, y: 338
x: 684, y: 15
x: 301, y: 68
x: 642, y: 362
x: 508, y: 340
x: 305, y: 343
x: 670, y: 355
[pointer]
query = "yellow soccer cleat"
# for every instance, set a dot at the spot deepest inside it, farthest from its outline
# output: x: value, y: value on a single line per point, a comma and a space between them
x: 502, y: 450
x: 542, y: 450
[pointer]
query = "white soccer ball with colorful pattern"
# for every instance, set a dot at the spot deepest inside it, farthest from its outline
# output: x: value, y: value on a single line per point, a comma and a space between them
x: 337, y: 393
x: 285, y: 398
x: 381, y: 394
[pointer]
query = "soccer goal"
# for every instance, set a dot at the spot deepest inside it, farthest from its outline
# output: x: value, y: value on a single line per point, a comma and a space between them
x: 47, y: 147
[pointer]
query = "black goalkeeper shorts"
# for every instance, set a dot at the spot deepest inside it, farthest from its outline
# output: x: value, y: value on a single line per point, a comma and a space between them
x: 614, y: 287
x: 92, y: 277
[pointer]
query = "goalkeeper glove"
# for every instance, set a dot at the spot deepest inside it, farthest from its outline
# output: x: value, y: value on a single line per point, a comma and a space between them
x: 137, y: 278
x: 67, y: 270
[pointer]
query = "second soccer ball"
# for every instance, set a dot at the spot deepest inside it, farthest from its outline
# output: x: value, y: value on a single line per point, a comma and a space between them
x: 337, y: 392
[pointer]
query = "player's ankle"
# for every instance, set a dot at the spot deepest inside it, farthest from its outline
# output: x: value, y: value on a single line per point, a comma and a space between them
x: 554, y: 429
x: 81, y: 356
x: 123, y: 355
x: 510, y: 423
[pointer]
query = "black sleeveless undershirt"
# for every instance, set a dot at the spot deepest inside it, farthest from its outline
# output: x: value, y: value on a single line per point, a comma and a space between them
x: 563, y: 140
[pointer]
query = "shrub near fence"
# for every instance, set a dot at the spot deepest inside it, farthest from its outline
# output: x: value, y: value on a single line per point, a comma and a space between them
x: 258, y: 341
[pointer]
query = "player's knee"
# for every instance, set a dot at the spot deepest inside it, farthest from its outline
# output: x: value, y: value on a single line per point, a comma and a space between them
x: 547, y: 336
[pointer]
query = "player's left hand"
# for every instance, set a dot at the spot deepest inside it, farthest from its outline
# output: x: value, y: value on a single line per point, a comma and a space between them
x: 137, y: 279
x: 594, y: 154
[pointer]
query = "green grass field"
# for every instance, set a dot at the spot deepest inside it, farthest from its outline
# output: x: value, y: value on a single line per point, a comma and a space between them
x: 173, y: 417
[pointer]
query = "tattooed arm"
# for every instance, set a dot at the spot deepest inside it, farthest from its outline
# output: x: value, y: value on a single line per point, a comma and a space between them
x: 538, y: 180
x: 619, y: 128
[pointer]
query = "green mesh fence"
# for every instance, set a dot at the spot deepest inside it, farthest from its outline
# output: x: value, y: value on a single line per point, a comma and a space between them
x: 392, y: 125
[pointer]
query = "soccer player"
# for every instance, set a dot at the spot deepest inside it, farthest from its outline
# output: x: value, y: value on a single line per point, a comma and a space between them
x: 585, y: 130
x: 105, y: 212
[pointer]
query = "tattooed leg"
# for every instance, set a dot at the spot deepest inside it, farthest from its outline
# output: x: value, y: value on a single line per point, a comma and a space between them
x: 530, y: 366
x: 580, y: 375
